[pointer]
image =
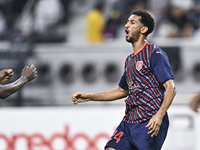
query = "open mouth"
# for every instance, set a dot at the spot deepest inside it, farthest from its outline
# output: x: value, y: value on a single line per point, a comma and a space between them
x: 126, y: 32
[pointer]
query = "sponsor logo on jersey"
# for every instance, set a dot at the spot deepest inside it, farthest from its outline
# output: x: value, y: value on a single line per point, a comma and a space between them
x: 130, y: 83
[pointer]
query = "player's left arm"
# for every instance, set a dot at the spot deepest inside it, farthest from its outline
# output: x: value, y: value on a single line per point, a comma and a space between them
x: 155, y: 122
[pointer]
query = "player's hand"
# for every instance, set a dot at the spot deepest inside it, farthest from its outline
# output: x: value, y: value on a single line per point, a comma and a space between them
x: 194, y: 104
x: 5, y: 75
x: 79, y: 97
x: 154, y: 125
x: 29, y: 72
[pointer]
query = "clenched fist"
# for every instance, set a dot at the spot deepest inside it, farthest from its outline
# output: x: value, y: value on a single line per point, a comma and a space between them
x: 5, y: 75
x: 29, y: 72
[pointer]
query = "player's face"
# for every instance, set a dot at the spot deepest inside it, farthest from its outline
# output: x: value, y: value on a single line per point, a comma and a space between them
x: 133, y: 28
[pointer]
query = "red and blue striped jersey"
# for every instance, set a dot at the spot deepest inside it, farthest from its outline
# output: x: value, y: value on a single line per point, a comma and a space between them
x: 144, y: 76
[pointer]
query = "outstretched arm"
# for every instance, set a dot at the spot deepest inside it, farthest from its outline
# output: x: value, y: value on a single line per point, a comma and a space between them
x: 155, y: 122
x: 113, y: 94
x: 5, y: 75
x: 28, y: 74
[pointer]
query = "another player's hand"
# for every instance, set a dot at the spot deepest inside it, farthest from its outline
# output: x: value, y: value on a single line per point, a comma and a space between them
x: 29, y: 72
x: 195, y: 102
x: 154, y: 125
x: 5, y: 75
x: 79, y: 97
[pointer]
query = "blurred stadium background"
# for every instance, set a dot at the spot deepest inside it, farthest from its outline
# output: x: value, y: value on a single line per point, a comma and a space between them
x: 51, y: 34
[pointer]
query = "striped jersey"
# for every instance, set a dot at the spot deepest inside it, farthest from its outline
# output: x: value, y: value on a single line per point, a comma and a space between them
x: 144, y: 76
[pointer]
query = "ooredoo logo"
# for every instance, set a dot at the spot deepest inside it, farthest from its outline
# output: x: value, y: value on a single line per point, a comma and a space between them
x: 37, y: 141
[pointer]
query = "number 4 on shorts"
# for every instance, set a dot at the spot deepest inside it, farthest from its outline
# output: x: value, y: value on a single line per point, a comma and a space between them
x: 118, y: 136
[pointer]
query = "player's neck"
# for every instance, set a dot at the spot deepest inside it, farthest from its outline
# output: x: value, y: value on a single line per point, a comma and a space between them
x: 138, y: 46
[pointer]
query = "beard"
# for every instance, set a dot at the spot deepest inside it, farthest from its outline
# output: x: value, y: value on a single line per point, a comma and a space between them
x: 130, y: 40
x: 133, y: 38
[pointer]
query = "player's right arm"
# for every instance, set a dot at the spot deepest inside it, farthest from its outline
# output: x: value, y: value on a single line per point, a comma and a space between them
x: 28, y: 74
x: 111, y: 95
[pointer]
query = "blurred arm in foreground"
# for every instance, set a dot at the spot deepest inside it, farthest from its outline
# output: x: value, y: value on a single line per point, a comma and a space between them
x: 195, y: 102
x: 28, y: 74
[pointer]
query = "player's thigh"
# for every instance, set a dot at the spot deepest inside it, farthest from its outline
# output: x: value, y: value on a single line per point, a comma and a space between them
x: 144, y: 141
x: 120, y: 140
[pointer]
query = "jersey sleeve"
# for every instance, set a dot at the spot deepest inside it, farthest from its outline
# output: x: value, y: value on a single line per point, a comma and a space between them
x: 159, y: 65
x: 122, y: 82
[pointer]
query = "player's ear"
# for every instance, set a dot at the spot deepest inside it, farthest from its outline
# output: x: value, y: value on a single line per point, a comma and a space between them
x: 144, y: 29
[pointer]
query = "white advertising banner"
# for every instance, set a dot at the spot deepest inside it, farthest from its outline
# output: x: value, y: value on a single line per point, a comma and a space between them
x: 64, y: 128
x: 81, y: 128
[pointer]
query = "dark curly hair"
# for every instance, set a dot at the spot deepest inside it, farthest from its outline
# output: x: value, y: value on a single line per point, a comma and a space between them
x: 146, y: 19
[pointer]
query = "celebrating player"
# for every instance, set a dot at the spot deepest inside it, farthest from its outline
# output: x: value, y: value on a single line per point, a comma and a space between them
x: 147, y: 83
x: 28, y: 74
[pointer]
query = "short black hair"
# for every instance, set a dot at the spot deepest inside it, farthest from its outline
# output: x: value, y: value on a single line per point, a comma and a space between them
x: 146, y: 19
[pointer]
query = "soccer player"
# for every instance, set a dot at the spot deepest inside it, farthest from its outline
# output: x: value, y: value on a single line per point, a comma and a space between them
x: 28, y: 74
x: 147, y: 83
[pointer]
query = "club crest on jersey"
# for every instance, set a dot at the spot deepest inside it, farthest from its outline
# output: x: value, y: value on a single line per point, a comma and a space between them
x: 139, y: 65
